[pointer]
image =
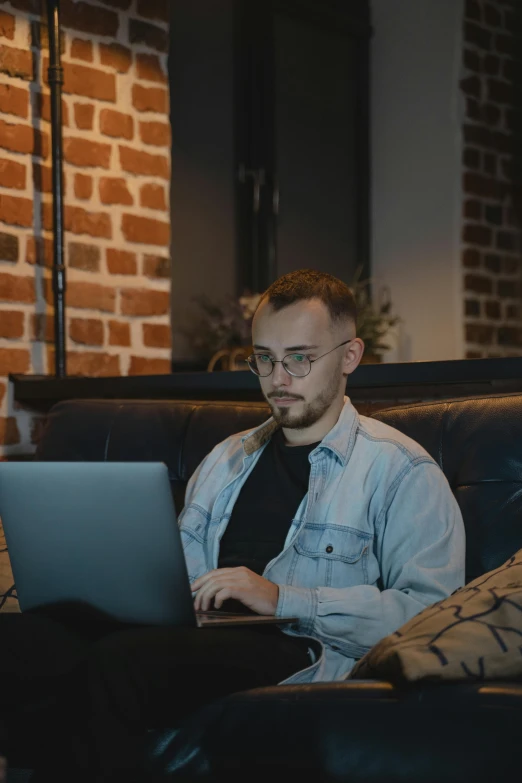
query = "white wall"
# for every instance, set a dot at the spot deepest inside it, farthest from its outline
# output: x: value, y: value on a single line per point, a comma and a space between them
x: 416, y: 203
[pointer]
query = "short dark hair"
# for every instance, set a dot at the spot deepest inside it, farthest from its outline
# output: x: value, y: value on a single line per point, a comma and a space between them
x: 306, y: 284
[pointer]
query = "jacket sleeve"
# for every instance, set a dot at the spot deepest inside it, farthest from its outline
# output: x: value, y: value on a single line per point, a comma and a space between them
x: 420, y: 547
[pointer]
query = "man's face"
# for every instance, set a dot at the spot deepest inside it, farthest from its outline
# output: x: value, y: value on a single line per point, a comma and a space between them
x: 305, y: 328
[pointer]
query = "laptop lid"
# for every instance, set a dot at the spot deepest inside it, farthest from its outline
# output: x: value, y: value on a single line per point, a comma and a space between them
x: 102, y: 533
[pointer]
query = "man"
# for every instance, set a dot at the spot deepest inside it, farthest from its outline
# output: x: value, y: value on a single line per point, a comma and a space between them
x: 321, y: 514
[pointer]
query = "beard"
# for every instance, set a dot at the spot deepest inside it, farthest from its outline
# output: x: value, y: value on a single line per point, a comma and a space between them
x: 312, y: 411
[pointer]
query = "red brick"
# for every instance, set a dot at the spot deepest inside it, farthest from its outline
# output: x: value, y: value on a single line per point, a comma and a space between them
x: 142, y: 366
x: 487, y: 187
x: 154, y: 9
x: 42, y: 327
x: 150, y: 99
x: 148, y: 34
x: 43, y: 108
x: 121, y: 262
x: 23, y: 138
x: 157, y: 335
x: 479, y: 36
x: 505, y: 44
x: 146, y: 230
x: 116, y: 124
x: 499, y: 92
x: 150, y: 68
x: 9, y: 432
x: 91, y: 296
x: 83, y: 186
x: 114, y: 190
x: 7, y: 25
x: 16, y: 62
x: 477, y: 283
x: 3, y: 388
x: 39, y: 251
x: 89, y: 82
x: 11, y: 324
x: 479, y: 333
x: 477, y: 235
x: 81, y: 152
x: 491, y: 64
x: 137, y: 162
x: 473, y: 109
x: 88, y: 18
x: 471, y: 258
x: 472, y: 10
x: 116, y: 56
x: 79, y: 221
x: 473, y: 209
x: 16, y: 211
x: 86, y: 257
x: 471, y: 86
x: 153, y: 196
x: 14, y: 360
x: 14, y: 100
x: 492, y: 16
x: 12, y: 174
x: 92, y: 363
x: 9, y: 247
x: 143, y: 301
x: 157, y: 266
x: 84, y: 115
x: 157, y: 133
x: 492, y: 310
x: 471, y: 60
x: 119, y: 333
x: 88, y: 331
x: 81, y: 50
x: 15, y: 288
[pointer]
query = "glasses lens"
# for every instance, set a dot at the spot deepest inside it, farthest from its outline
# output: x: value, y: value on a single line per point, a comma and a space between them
x: 297, y: 364
x: 260, y: 364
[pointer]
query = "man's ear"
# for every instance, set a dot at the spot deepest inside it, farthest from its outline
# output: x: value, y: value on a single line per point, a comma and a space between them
x: 353, y: 353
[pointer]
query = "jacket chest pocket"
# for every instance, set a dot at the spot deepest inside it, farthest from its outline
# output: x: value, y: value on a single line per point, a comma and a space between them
x: 336, y: 554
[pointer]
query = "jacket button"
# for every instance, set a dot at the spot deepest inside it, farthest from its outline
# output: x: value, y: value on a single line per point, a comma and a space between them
x: 329, y: 548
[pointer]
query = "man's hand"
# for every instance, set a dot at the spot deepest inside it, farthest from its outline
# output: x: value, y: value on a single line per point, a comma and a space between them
x: 254, y: 591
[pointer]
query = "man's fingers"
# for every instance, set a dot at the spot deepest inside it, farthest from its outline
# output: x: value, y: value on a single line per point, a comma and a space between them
x: 222, y: 595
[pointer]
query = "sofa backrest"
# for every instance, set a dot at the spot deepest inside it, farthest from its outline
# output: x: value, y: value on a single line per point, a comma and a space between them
x: 477, y: 443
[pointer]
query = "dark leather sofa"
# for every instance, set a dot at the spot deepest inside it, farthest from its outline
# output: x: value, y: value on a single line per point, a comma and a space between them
x: 351, y: 731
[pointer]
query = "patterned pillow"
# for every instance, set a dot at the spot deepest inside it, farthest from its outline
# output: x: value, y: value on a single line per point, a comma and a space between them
x: 475, y: 634
x: 8, y: 597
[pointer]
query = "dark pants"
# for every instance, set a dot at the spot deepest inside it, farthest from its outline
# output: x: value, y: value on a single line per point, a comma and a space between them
x: 96, y: 687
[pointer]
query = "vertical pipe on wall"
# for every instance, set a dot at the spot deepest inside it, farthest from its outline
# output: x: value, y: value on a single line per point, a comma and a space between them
x: 55, y: 75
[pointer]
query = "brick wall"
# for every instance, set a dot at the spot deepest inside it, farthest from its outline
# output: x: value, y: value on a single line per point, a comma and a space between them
x: 492, y: 177
x: 116, y: 142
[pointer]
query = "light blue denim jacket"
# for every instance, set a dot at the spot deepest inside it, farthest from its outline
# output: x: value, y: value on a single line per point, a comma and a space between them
x: 376, y: 539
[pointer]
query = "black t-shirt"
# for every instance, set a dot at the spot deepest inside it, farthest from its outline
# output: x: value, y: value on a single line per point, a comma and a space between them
x: 266, y: 505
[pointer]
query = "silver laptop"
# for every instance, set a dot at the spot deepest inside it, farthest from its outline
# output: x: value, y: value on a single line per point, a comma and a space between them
x: 104, y: 534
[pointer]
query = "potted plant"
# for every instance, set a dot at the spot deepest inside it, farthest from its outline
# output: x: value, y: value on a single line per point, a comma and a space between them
x: 374, y: 318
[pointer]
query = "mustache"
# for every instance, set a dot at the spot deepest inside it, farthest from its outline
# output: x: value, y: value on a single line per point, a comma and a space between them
x: 279, y: 396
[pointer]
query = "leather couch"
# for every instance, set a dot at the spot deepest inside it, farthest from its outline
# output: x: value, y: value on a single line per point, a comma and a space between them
x: 351, y: 731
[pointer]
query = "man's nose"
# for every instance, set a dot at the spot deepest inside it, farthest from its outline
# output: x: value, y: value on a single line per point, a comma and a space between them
x: 280, y: 377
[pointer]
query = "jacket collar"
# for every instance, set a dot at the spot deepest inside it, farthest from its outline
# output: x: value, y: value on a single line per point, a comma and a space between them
x: 340, y: 439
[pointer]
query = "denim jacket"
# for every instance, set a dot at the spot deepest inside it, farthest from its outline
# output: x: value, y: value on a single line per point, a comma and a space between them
x: 377, y: 538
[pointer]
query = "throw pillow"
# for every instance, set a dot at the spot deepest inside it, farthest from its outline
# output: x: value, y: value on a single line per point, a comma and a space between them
x: 475, y: 634
x: 8, y: 598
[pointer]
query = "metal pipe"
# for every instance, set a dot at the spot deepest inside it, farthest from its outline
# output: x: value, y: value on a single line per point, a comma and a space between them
x: 55, y: 76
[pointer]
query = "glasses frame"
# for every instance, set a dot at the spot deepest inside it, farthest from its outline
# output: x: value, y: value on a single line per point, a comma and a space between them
x: 296, y: 353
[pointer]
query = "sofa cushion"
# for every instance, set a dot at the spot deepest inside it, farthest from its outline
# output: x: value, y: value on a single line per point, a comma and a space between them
x: 475, y: 634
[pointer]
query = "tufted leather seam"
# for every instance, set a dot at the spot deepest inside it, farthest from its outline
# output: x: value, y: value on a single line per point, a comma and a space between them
x: 186, y: 423
x: 442, y: 432
x: 109, y: 433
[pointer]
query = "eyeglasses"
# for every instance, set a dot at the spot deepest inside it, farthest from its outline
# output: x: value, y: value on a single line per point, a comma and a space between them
x: 296, y: 364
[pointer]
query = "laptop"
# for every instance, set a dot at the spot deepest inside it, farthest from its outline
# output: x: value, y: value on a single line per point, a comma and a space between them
x: 104, y: 534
